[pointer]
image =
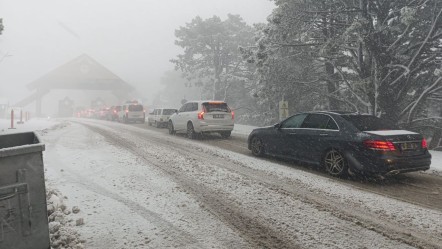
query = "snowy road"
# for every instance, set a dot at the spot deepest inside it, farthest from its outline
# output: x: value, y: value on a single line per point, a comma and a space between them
x: 140, y: 188
x: 418, y: 188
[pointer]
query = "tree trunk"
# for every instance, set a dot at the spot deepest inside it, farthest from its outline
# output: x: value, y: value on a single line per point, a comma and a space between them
x: 333, y: 104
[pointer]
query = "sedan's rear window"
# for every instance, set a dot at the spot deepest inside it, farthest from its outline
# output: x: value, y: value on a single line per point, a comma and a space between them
x: 168, y: 111
x: 216, y: 107
x: 135, y: 108
x: 369, y: 123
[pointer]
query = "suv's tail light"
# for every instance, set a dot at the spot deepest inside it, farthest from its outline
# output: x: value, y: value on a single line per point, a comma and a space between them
x: 233, y: 115
x: 201, y: 115
x: 379, y: 145
x: 424, y: 144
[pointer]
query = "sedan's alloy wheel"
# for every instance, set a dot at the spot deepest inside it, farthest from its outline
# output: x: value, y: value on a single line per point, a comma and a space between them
x: 257, y: 146
x: 335, y: 163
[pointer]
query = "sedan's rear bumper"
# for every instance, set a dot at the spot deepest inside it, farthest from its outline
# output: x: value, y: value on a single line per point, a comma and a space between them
x: 387, y: 164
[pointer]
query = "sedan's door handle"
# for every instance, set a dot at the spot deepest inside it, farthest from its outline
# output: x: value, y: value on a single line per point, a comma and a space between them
x: 323, y: 134
x: 292, y: 133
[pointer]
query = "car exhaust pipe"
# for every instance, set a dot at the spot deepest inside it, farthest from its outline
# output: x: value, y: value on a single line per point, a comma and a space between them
x: 392, y: 173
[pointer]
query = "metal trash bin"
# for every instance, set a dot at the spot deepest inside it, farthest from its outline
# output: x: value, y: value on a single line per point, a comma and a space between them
x: 23, y: 210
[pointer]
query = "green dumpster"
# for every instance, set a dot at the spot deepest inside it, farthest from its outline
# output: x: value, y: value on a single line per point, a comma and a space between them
x: 23, y: 211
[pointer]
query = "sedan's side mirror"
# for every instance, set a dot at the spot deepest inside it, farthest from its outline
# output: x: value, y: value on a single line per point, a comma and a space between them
x: 277, y: 126
x: 176, y: 111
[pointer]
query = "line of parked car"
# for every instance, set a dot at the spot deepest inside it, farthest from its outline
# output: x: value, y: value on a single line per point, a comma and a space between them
x: 194, y: 118
x: 341, y: 142
x: 130, y: 111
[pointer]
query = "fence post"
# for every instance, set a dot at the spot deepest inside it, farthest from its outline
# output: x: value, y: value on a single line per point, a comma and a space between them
x: 12, y: 119
x: 21, y: 118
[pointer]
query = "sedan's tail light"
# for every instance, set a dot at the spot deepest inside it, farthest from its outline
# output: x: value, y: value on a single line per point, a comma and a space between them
x: 379, y: 145
x: 233, y: 115
x: 201, y: 115
x: 424, y: 144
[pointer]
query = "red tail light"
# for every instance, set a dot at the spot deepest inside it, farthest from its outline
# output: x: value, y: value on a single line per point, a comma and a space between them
x: 424, y: 144
x: 127, y: 111
x: 201, y: 115
x: 233, y: 115
x: 379, y: 145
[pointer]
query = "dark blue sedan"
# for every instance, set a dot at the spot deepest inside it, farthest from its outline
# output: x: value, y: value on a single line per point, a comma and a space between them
x: 343, y: 143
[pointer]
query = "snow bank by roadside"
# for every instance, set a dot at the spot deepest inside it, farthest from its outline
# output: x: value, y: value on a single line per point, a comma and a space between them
x: 62, y: 221
x: 243, y: 130
x: 31, y: 125
x: 436, y: 162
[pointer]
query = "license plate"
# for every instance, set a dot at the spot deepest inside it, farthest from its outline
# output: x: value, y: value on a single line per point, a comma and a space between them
x: 218, y: 115
x: 409, y: 146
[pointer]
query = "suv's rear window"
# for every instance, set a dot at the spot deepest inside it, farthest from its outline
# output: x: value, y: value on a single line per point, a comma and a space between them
x: 216, y: 107
x: 168, y: 111
x: 135, y: 108
x: 369, y: 123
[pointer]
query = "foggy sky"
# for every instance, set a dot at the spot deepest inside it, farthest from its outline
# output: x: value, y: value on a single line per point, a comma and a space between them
x: 133, y: 38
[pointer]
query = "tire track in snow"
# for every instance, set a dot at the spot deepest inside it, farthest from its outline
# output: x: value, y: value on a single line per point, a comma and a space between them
x: 182, y: 238
x: 257, y: 234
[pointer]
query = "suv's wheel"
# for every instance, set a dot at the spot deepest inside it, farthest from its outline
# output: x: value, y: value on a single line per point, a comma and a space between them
x: 125, y: 120
x: 225, y: 134
x: 335, y: 163
x: 157, y: 124
x: 257, y: 146
x: 171, y: 129
x: 190, y: 131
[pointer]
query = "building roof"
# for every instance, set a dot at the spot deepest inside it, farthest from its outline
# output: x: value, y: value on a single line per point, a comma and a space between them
x: 82, y: 72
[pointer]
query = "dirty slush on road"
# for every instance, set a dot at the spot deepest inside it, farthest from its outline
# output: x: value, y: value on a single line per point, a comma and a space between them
x: 194, y: 196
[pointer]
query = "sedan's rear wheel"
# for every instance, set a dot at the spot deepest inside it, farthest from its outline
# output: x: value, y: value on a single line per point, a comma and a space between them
x: 190, y: 131
x: 257, y: 146
x: 171, y: 129
x: 335, y: 163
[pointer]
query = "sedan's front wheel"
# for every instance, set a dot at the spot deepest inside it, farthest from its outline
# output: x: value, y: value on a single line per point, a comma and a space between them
x: 257, y: 146
x: 335, y: 163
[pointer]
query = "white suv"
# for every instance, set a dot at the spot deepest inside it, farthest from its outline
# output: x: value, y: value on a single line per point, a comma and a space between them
x: 131, y: 111
x: 197, y: 117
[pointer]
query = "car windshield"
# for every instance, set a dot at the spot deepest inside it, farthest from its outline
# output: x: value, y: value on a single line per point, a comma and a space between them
x: 216, y: 107
x: 369, y: 123
x: 135, y: 108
